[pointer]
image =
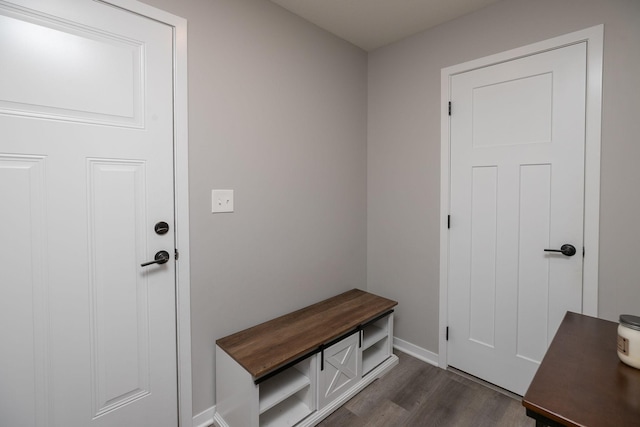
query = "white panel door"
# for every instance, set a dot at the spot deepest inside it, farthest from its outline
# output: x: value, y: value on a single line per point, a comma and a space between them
x: 517, y: 188
x: 86, y: 169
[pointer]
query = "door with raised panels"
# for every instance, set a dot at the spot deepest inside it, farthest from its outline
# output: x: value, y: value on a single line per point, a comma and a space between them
x: 86, y: 171
x: 517, y: 196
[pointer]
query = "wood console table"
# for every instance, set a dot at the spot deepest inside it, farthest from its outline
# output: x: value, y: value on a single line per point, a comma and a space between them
x: 581, y: 381
x: 298, y: 368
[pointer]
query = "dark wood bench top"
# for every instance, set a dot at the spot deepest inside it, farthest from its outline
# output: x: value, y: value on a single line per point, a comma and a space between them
x: 268, y: 346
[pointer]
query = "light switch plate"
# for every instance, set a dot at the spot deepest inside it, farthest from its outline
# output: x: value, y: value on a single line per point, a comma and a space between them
x: 221, y: 201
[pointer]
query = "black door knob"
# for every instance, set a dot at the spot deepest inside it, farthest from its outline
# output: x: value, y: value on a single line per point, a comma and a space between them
x: 566, y: 249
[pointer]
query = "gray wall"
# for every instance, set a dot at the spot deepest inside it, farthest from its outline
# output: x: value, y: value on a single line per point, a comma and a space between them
x: 404, y: 149
x: 277, y: 112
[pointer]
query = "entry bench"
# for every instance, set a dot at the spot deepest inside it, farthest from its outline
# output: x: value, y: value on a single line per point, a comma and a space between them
x: 298, y: 368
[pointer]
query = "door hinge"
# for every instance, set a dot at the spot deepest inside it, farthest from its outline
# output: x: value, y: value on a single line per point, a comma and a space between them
x: 583, y: 252
x: 449, y: 107
x: 448, y: 221
x: 176, y: 254
x: 447, y: 334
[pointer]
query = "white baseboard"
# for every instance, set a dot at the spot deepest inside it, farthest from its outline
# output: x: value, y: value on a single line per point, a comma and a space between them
x: 415, y: 351
x: 204, y: 418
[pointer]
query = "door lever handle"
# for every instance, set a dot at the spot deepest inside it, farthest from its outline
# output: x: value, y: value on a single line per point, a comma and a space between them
x: 161, y: 257
x: 566, y: 249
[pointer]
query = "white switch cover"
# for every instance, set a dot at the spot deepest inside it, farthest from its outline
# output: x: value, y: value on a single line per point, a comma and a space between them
x: 221, y: 201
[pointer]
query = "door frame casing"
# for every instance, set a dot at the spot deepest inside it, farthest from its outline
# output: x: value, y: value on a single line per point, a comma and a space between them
x: 594, y: 37
x: 181, y: 197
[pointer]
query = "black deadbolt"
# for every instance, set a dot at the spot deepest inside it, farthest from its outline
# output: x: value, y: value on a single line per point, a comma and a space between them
x: 161, y: 228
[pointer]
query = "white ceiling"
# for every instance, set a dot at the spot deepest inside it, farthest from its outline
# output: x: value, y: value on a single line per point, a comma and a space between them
x: 370, y: 24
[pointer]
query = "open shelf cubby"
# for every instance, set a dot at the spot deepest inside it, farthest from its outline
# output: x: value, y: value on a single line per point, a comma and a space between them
x: 286, y: 398
x: 375, y: 344
x: 374, y: 355
x: 286, y: 413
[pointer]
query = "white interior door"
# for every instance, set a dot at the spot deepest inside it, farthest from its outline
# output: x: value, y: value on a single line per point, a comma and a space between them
x: 86, y: 170
x: 517, y: 134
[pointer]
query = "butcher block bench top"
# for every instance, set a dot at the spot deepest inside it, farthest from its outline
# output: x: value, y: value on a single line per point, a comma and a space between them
x: 268, y: 346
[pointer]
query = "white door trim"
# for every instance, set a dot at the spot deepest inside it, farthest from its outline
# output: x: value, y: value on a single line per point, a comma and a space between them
x: 594, y: 37
x: 181, y: 194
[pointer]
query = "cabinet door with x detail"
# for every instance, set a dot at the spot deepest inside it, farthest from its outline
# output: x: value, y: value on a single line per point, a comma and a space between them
x: 340, y: 369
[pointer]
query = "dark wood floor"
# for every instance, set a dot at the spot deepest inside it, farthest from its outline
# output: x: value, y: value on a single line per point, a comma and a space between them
x: 417, y: 394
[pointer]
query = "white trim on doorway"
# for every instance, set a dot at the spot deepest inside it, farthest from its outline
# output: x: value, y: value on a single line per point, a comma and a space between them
x: 181, y: 192
x: 594, y: 37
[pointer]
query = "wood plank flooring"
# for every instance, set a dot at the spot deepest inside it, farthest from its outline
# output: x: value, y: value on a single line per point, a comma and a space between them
x: 417, y: 394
